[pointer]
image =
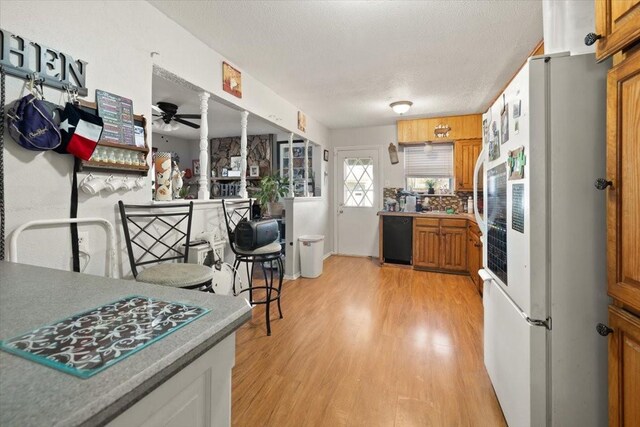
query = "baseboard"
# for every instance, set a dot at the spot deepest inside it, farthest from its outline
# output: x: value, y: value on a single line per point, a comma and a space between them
x: 298, y: 275
x: 291, y: 277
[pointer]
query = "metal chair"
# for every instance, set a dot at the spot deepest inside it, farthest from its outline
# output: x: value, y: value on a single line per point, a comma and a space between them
x: 234, y: 212
x: 155, y: 227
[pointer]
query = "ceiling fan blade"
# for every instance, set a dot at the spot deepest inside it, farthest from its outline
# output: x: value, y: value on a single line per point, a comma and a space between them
x: 188, y: 116
x: 186, y: 123
x: 157, y: 109
x: 157, y: 115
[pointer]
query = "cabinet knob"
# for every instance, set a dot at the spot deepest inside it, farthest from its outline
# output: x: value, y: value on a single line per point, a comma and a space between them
x: 478, y: 245
x: 591, y: 38
x: 602, y: 183
x: 603, y: 329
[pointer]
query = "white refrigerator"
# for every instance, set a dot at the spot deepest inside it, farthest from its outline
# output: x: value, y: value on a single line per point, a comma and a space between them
x: 544, y: 235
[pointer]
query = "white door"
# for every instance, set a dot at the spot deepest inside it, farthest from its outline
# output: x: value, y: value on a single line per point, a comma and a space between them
x: 358, y: 200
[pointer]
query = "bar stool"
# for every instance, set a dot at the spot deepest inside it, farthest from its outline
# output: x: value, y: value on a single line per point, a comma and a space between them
x: 234, y: 212
x: 159, y: 238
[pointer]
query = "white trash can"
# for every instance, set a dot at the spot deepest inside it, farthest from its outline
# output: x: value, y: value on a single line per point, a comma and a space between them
x: 311, y: 255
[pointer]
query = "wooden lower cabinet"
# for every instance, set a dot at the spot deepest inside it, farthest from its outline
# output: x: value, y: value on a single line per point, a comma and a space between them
x: 624, y: 368
x: 426, y: 246
x: 474, y: 258
x: 440, y: 244
x: 453, y: 248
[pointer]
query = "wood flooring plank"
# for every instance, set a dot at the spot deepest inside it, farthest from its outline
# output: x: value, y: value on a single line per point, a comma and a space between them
x: 366, y: 345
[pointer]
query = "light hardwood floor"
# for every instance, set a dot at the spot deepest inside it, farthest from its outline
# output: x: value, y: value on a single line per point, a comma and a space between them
x: 365, y: 345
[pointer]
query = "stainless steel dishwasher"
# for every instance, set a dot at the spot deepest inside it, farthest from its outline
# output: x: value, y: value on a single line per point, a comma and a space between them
x: 397, y: 239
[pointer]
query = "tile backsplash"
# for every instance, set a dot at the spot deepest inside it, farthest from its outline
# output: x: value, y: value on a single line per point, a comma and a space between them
x: 436, y: 202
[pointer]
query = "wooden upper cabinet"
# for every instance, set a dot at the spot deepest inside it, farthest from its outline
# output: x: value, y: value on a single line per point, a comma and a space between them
x: 617, y: 24
x: 624, y: 369
x: 421, y: 130
x: 623, y: 170
x: 466, y: 154
x: 407, y: 130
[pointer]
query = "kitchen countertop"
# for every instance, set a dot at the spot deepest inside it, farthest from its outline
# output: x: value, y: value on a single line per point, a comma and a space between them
x: 467, y: 216
x: 34, y: 395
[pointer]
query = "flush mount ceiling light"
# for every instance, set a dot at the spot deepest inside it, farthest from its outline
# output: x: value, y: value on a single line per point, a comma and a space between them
x: 401, y: 107
x: 428, y: 147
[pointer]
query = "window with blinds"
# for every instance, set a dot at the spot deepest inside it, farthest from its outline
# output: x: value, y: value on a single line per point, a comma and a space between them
x: 434, y: 168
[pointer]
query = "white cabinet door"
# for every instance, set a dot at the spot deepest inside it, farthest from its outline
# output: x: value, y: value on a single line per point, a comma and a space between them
x: 197, y: 396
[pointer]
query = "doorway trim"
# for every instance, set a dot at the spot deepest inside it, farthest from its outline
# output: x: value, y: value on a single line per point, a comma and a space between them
x: 336, y: 183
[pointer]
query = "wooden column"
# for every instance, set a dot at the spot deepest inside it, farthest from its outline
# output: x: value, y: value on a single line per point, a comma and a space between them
x: 306, y: 168
x: 203, y: 180
x: 291, y: 193
x: 243, y: 154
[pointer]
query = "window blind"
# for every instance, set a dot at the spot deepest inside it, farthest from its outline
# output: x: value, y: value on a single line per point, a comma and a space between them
x: 437, y: 163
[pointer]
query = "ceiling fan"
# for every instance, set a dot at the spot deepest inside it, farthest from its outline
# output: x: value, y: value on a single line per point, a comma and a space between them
x: 165, y: 113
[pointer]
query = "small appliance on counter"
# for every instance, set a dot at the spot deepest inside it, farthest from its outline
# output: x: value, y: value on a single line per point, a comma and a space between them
x: 390, y: 205
x: 410, y: 204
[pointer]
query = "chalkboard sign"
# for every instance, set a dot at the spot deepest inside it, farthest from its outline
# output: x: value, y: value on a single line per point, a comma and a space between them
x: 117, y: 114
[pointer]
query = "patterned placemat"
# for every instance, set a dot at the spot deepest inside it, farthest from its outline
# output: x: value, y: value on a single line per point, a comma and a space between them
x: 89, y: 342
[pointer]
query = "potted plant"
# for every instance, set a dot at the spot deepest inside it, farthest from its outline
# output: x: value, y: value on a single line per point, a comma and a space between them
x: 270, y: 189
x: 430, y: 184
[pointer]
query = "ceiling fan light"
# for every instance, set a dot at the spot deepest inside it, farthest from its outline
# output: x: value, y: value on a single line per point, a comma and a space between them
x: 401, y: 107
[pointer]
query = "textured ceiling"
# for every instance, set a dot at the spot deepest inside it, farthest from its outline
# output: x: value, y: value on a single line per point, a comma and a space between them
x: 222, y: 120
x: 343, y: 62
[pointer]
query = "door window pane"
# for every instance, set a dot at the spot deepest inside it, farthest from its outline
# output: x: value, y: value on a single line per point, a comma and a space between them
x: 358, y: 182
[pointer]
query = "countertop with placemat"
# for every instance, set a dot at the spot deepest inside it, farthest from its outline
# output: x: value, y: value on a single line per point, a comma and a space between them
x: 32, y: 393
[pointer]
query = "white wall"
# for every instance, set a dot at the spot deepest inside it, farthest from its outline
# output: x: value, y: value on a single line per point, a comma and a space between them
x: 185, y: 149
x: 303, y: 219
x: 566, y: 22
x: 116, y: 38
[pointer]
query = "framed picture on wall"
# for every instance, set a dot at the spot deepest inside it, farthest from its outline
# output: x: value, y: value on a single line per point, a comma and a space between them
x: 196, y: 167
x: 326, y: 155
x: 231, y: 80
x: 302, y: 121
x: 254, y: 171
x: 236, y: 161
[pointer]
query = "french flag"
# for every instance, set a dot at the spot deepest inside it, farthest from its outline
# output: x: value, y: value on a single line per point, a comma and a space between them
x: 80, y: 132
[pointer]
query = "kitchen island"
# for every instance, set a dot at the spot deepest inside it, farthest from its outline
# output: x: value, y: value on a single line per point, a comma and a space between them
x: 442, y: 242
x: 183, y: 379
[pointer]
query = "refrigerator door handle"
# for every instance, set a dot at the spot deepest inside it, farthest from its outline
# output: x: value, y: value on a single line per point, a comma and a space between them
x: 546, y: 323
x: 481, y: 223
